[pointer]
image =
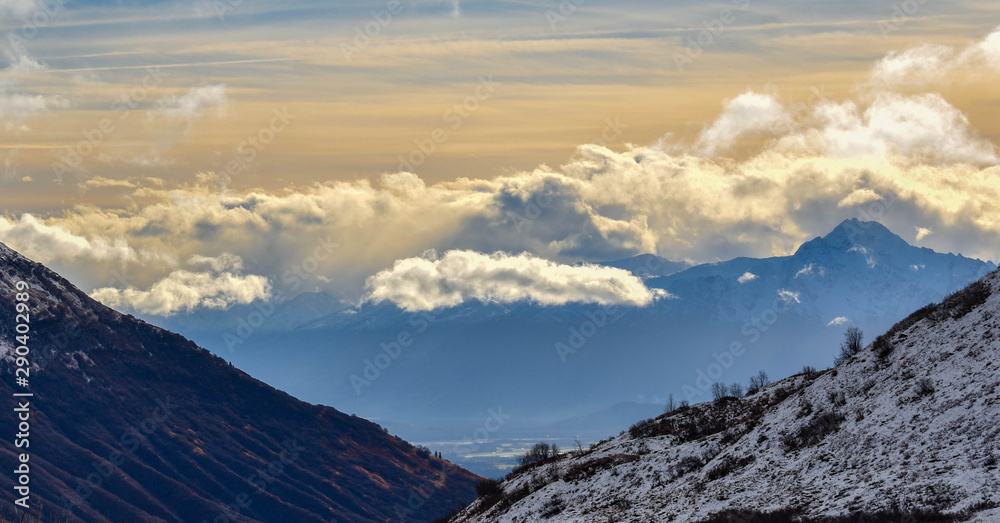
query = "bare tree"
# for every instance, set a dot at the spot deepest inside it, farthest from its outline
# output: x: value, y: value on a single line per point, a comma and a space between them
x: 671, y: 404
x: 719, y: 391
x: 851, y: 345
x: 538, y: 452
x: 758, y: 382
x: 736, y: 390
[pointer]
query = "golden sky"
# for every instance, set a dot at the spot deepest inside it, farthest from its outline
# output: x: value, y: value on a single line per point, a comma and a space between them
x: 120, y: 116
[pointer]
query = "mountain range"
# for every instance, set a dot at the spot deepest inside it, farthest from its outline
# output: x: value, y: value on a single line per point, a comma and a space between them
x: 723, y: 321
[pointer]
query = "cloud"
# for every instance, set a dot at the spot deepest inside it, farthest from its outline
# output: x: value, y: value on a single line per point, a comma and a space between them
x: 788, y: 296
x: 458, y: 276
x: 747, y: 277
x: 16, y: 107
x: 923, y: 127
x: 929, y: 63
x: 859, y: 197
x: 920, y: 64
x: 810, y: 269
x: 222, y: 263
x: 196, y: 102
x: 747, y: 113
x: 98, y: 182
x: 923, y: 232
x: 46, y: 243
x: 894, y: 157
x: 839, y: 320
x: 184, y: 290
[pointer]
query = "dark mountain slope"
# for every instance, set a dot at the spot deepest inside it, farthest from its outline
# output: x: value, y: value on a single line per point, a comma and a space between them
x: 130, y: 422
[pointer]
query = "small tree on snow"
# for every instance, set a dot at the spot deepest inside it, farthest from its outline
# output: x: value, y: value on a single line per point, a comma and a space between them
x: 758, y: 382
x: 671, y: 404
x: 719, y: 391
x: 736, y: 390
x: 851, y: 345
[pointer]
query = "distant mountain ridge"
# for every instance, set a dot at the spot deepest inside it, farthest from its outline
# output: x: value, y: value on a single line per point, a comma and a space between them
x: 130, y: 422
x: 859, y: 274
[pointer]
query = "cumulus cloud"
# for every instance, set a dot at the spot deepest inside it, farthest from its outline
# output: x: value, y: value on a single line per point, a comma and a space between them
x: 747, y: 277
x: 427, y: 283
x: 46, y: 242
x: 923, y: 232
x: 184, y: 290
x: 928, y: 63
x: 920, y: 64
x: 905, y: 127
x: 748, y: 113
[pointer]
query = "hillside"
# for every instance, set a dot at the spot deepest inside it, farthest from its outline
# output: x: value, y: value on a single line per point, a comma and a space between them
x: 905, y: 428
x: 130, y: 422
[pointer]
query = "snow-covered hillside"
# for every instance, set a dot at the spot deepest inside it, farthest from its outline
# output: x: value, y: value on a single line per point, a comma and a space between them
x: 909, y: 424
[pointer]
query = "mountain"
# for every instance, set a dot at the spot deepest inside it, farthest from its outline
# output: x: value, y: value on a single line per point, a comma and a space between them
x: 129, y: 422
x: 648, y: 265
x: 905, y: 430
x: 443, y: 370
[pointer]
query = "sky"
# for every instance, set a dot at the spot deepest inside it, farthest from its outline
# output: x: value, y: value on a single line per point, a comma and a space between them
x: 169, y: 156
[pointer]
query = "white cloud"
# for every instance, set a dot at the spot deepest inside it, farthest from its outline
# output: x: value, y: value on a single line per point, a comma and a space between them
x: 747, y: 113
x: 196, y: 102
x: 788, y: 296
x: 859, y: 197
x: 46, y: 243
x: 929, y: 63
x: 810, y: 269
x: 839, y: 320
x: 923, y: 127
x: 985, y: 52
x: 923, y: 232
x: 920, y: 64
x: 459, y: 276
x: 747, y: 277
x: 16, y: 107
x: 184, y: 290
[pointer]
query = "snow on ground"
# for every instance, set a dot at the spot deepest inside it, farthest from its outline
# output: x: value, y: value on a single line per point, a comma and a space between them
x: 917, y: 428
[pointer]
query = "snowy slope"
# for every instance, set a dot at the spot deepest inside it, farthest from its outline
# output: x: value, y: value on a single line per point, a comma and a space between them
x: 915, y: 428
